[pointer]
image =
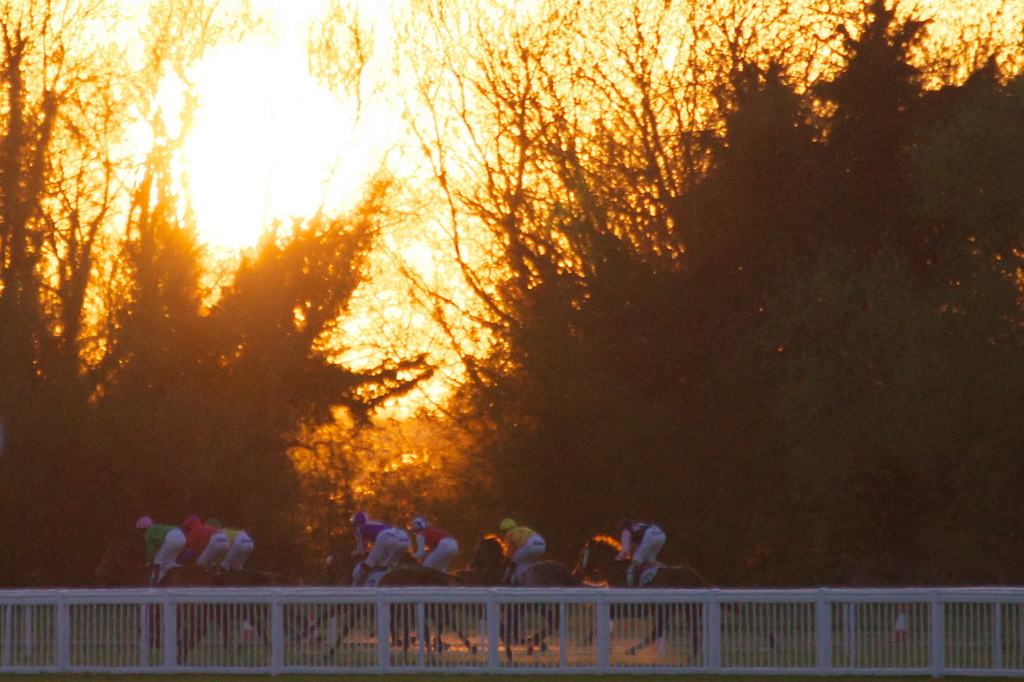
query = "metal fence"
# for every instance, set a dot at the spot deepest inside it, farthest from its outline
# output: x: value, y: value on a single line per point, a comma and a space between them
x: 959, y: 631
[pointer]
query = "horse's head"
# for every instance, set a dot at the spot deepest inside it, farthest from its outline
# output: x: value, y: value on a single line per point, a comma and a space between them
x: 339, y: 566
x: 489, y: 555
x: 123, y: 564
x: 596, y: 556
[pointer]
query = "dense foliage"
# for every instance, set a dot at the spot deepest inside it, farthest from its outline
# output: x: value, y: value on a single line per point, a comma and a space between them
x: 763, y: 291
x: 750, y: 273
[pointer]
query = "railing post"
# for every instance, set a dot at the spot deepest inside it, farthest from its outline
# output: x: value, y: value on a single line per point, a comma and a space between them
x: 276, y: 635
x: 383, y: 634
x: 144, y: 626
x: 169, y: 627
x: 997, y: 635
x: 421, y: 633
x: 63, y: 634
x: 563, y: 636
x: 8, y: 638
x: 823, y: 631
x: 493, y: 616
x: 714, y: 634
x: 603, y: 631
x: 937, y: 635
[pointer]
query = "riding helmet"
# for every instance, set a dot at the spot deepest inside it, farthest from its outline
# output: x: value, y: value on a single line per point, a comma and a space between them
x: 419, y: 523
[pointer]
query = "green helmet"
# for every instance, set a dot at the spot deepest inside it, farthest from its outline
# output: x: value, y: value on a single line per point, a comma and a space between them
x: 507, y: 524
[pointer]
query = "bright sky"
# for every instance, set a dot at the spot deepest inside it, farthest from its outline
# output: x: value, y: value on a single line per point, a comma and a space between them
x: 269, y: 141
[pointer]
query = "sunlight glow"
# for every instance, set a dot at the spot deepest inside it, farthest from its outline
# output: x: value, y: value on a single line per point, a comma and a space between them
x: 269, y: 141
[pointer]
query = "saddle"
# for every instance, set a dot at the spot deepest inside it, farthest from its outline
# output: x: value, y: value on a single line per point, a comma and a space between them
x: 374, y: 577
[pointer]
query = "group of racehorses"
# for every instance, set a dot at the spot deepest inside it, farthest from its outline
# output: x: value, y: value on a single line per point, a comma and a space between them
x: 598, y: 565
x: 124, y: 564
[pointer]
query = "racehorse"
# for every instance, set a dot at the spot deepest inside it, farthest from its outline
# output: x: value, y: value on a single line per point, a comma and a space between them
x: 124, y: 564
x: 408, y: 573
x: 488, y: 567
x: 599, y: 565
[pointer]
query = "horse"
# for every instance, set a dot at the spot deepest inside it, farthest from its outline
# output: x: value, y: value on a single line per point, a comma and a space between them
x: 408, y: 573
x: 599, y: 565
x: 489, y: 567
x: 124, y: 564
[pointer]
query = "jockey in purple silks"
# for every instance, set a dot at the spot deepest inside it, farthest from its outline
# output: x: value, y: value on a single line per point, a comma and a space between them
x: 380, y: 544
x: 641, y: 543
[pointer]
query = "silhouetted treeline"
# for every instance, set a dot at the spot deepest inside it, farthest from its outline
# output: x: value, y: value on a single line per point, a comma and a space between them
x: 788, y: 329
x: 123, y: 391
x: 752, y: 281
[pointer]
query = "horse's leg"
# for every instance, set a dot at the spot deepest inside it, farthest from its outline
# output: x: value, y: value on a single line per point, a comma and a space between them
x: 447, y: 621
x: 346, y: 622
x: 450, y: 623
x: 506, y: 629
x: 656, y: 632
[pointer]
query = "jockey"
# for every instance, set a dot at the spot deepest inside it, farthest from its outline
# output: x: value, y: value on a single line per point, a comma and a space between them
x: 641, y: 543
x: 380, y: 544
x: 441, y: 545
x: 163, y: 545
x: 522, y: 545
x: 239, y: 548
x: 205, y: 545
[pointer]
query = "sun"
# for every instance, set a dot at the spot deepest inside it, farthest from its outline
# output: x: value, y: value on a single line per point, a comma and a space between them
x: 270, y: 142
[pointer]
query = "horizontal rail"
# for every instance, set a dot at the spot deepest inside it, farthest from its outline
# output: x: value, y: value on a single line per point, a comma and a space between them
x: 905, y: 631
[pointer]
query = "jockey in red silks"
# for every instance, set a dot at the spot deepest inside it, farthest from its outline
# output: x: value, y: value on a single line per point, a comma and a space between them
x: 205, y: 545
x: 434, y: 547
x: 163, y: 546
x: 641, y: 543
x: 380, y: 544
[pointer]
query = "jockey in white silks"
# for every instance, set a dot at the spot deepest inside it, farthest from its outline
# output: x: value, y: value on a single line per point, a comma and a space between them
x: 641, y: 543
x: 381, y: 545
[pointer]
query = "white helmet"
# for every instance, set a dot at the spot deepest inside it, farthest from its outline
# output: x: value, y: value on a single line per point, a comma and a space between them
x: 419, y: 523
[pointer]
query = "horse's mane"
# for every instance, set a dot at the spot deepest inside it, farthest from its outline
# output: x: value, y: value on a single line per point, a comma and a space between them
x: 490, y: 550
x: 607, y: 541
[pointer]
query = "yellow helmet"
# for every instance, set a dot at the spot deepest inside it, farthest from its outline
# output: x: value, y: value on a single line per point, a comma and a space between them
x: 507, y: 524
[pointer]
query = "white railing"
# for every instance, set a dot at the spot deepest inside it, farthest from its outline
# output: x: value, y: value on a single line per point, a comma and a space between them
x: 956, y: 631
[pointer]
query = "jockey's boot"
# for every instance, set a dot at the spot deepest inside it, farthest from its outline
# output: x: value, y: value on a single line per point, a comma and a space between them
x: 633, y: 574
x: 510, y: 571
x: 154, y: 576
x: 358, y: 573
